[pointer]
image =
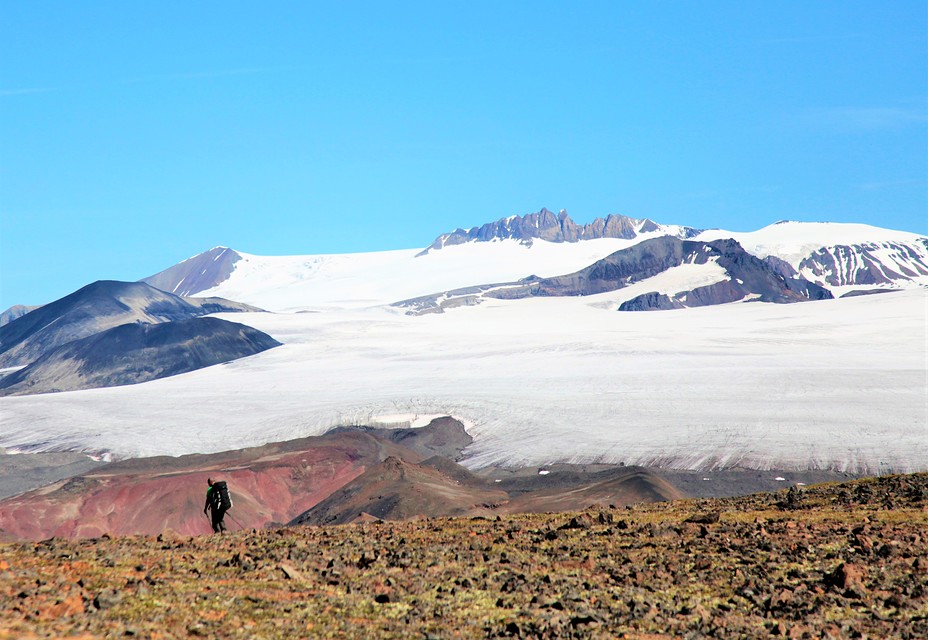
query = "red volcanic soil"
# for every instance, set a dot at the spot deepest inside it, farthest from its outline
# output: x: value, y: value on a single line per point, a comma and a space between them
x: 343, y: 476
x: 273, y: 483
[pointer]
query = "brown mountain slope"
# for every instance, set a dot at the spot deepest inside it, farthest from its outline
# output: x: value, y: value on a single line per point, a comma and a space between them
x: 340, y: 477
x: 269, y: 484
x: 398, y: 490
x: 618, y: 487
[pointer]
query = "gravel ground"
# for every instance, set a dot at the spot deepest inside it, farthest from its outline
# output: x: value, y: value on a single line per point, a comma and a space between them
x: 834, y: 561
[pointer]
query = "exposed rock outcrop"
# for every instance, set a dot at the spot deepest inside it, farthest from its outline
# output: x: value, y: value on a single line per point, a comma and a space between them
x: 546, y: 225
x: 875, y: 263
x: 199, y: 273
x: 748, y: 277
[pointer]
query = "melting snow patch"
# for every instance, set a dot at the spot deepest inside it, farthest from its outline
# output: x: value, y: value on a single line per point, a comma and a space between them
x: 543, y: 472
x: 779, y: 478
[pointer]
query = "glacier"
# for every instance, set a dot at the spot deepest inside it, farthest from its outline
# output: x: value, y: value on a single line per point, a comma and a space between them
x: 835, y: 384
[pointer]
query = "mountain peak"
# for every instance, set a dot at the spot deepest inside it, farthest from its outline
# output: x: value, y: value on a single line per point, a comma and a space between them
x: 199, y: 273
x: 545, y: 225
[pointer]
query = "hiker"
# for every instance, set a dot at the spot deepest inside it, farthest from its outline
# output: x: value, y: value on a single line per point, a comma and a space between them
x: 217, y: 500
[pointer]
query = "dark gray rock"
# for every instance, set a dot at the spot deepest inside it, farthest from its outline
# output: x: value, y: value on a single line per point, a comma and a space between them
x: 749, y: 277
x: 441, y: 437
x: 866, y: 292
x: 97, y: 307
x: 136, y: 352
x: 545, y: 225
x: 196, y: 274
x: 25, y: 471
x: 861, y: 264
x: 652, y: 301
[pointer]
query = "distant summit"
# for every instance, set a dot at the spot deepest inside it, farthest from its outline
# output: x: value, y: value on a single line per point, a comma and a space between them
x: 551, y: 227
x: 199, y: 273
x: 16, y: 311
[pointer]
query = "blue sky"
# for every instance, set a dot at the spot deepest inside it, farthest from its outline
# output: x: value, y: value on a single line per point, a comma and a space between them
x: 135, y: 135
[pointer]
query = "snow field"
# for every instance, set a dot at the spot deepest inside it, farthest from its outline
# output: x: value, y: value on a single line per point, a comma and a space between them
x: 835, y: 384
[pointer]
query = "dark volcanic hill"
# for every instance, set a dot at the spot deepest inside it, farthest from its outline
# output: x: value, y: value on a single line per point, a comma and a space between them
x: 138, y: 352
x: 98, y: 306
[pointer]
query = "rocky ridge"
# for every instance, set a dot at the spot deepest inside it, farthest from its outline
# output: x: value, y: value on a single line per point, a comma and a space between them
x: 885, y: 263
x: 199, y: 273
x: 546, y: 225
x: 746, y: 278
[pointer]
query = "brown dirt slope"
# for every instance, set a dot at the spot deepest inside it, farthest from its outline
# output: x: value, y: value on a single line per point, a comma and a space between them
x: 148, y: 496
x: 398, y: 490
x: 834, y: 561
x: 330, y: 479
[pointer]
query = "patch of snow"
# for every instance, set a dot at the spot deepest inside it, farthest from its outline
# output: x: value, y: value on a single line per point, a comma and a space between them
x: 4, y: 371
x: 684, y: 277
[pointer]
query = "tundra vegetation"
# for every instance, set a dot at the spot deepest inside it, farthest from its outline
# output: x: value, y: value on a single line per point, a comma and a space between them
x: 835, y: 561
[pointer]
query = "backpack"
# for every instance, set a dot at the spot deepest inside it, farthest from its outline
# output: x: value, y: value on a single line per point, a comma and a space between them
x: 220, y: 495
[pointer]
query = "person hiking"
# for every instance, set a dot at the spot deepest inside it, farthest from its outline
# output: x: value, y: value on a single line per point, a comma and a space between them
x: 217, y: 501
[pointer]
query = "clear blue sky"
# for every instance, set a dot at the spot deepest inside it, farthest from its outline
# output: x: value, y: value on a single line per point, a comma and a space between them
x: 134, y: 135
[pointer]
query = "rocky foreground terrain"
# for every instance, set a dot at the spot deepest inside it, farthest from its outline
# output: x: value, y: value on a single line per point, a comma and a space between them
x: 835, y: 561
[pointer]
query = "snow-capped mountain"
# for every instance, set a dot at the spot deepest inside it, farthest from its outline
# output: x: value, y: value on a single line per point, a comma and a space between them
x: 726, y: 271
x: 830, y: 383
x: 839, y: 257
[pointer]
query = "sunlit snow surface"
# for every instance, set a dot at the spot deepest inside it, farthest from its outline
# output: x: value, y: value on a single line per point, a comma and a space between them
x: 325, y: 282
x: 838, y: 384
